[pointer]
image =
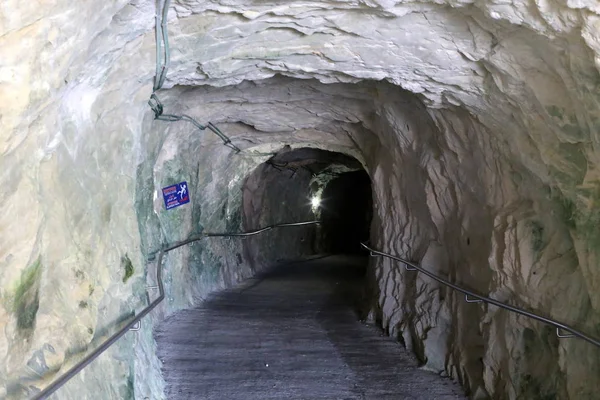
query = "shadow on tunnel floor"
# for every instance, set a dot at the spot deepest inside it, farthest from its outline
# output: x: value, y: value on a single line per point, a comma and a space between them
x: 292, y: 333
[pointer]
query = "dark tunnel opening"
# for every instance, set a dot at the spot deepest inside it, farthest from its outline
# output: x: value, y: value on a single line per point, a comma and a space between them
x: 301, y: 185
x: 346, y: 212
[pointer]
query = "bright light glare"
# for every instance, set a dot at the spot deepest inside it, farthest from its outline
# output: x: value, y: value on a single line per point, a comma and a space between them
x: 316, y: 202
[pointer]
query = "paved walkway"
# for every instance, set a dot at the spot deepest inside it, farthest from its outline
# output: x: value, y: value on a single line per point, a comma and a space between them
x: 290, y: 334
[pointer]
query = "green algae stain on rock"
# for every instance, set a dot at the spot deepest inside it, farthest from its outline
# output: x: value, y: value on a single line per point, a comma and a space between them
x: 566, y: 208
x: 554, y: 111
x: 537, y: 235
x: 568, y: 123
x: 580, y: 212
x: 569, y: 165
x: 26, y: 297
x: 541, y: 379
x: 588, y: 216
x: 575, y: 160
x: 127, y: 266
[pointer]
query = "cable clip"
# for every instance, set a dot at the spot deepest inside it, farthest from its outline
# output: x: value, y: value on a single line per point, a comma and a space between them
x: 155, y: 105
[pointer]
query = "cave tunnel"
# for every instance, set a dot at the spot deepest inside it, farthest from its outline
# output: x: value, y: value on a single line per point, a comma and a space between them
x: 346, y: 210
x: 163, y: 164
x: 309, y: 184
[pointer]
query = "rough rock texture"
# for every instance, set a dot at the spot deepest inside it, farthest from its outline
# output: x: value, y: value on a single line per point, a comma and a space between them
x: 291, y: 333
x: 272, y: 196
x: 481, y: 144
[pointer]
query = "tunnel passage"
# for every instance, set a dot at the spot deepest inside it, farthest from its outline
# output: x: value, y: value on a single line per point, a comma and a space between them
x: 346, y: 210
x: 284, y: 189
x: 498, y: 118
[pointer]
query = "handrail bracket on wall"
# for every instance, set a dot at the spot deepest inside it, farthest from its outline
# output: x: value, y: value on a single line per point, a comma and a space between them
x: 472, y: 297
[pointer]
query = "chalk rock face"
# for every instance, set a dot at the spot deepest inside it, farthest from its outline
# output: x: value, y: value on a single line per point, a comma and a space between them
x: 477, y: 121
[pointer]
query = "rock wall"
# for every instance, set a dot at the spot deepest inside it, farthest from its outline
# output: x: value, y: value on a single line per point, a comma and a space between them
x: 273, y: 196
x: 70, y: 265
x: 510, y: 239
x: 481, y: 143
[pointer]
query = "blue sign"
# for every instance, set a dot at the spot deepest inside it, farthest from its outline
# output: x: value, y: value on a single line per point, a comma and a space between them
x: 176, y: 195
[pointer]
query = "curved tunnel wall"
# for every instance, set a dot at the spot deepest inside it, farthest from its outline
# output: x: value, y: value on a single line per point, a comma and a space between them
x: 273, y: 196
x: 485, y: 168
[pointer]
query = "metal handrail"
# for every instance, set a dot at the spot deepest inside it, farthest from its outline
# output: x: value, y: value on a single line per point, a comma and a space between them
x: 48, y: 390
x: 261, y: 230
x: 472, y: 297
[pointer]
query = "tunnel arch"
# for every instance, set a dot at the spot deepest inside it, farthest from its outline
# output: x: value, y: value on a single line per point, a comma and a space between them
x: 284, y: 188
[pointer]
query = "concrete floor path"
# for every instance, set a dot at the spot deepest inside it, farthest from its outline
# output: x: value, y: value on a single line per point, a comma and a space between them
x: 291, y: 333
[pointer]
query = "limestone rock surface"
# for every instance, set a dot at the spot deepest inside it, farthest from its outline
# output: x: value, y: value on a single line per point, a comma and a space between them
x: 477, y: 121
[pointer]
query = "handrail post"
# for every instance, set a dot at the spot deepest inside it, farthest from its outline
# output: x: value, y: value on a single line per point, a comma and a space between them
x: 136, y: 327
x: 469, y: 300
x: 409, y: 268
x: 558, y: 334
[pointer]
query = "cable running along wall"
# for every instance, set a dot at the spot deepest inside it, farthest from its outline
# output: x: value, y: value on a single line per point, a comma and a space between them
x: 163, y: 60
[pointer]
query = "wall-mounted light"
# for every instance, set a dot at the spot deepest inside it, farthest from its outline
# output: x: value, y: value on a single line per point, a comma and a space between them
x: 315, y: 202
